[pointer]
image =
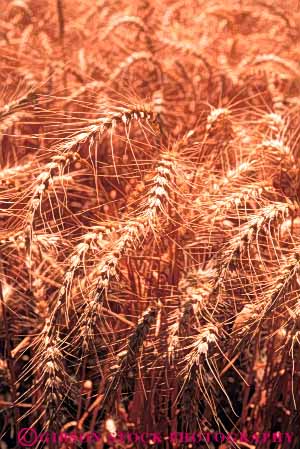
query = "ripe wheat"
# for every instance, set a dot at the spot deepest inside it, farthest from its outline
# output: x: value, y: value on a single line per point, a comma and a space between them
x: 150, y: 227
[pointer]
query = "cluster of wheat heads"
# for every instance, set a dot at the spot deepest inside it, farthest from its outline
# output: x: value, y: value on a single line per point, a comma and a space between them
x: 150, y: 218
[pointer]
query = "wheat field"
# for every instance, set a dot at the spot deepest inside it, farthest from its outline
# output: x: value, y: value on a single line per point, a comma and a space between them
x: 150, y: 222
